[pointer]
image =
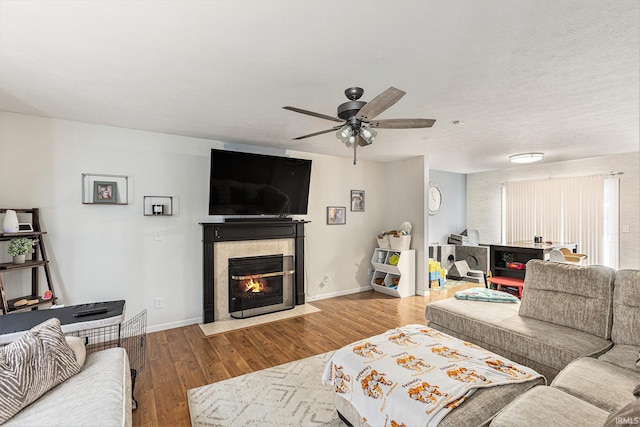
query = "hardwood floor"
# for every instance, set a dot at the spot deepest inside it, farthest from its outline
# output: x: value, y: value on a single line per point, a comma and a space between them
x: 183, y: 358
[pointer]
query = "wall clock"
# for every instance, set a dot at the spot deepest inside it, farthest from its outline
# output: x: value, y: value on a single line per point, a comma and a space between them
x: 435, y: 198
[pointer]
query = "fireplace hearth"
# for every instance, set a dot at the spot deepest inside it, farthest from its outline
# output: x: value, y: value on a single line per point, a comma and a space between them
x: 260, y: 285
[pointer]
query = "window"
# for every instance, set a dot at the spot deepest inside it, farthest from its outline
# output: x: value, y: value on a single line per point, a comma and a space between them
x: 581, y: 210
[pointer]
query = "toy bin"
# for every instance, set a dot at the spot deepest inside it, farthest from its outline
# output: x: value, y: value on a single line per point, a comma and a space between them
x: 400, y: 243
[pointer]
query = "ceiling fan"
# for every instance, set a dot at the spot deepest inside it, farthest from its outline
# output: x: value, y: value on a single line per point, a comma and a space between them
x: 357, y: 118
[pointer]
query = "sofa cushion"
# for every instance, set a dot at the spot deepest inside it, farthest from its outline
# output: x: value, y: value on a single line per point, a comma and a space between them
x: 100, y: 395
x: 569, y: 295
x: 547, y: 406
x: 602, y: 384
x: 626, y: 308
x: 500, y: 326
x: 623, y: 356
x: 32, y: 365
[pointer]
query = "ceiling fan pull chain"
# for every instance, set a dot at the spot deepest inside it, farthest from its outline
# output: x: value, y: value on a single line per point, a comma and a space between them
x: 355, y: 158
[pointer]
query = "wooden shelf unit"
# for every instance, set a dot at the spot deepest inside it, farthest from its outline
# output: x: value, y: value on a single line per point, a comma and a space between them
x: 38, y: 259
x: 403, y: 271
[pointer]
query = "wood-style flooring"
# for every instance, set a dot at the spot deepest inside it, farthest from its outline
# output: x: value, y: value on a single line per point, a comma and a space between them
x: 183, y: 358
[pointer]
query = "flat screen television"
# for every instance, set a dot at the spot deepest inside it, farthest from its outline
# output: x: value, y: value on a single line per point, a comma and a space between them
x: 258, y: 184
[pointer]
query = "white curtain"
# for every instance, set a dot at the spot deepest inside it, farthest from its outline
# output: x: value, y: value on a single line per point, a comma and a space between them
x: 560, y: 210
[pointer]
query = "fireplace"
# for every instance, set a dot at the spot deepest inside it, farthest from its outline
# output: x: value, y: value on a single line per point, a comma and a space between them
x: 224, y: 240
x: 260, y: 285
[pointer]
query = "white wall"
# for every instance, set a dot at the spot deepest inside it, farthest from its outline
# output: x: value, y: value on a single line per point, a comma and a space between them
x: 103, y: 252
x: 343, y: 252
x: 484, y: 196
x: 405, y: 186
x: 452, y: 217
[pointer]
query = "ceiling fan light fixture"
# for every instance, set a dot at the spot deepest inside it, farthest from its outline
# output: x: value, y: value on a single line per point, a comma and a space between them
x: 344, y: 133
x: 526, y: 157
x: 368, y: 134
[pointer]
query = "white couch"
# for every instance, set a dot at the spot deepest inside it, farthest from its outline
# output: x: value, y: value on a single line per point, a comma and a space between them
x: 100, y: 395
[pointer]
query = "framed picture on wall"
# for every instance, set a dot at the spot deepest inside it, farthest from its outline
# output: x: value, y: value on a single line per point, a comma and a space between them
x: 105, y: 191
x: 336, y: 215
x: 357, y: 200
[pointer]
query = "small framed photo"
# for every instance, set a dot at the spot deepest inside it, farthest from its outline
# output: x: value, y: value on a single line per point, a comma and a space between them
x: 105, y: 192
x: 336, y: 215
x: 357, y: 200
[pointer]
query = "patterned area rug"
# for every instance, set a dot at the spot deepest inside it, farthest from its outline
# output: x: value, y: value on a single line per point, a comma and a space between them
x: 287, y: 395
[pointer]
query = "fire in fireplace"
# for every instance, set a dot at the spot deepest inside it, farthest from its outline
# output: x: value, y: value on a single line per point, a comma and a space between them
x: 260, y: 285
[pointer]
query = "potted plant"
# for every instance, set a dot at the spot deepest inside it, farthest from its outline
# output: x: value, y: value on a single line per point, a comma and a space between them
x: 508, y: 257
x: 18, y: 248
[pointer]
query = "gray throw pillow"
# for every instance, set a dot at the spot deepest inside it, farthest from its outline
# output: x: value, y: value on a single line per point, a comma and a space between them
x: 32, y: 365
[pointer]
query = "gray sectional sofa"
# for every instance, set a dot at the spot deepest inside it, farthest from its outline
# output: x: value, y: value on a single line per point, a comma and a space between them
x: 578, y: 326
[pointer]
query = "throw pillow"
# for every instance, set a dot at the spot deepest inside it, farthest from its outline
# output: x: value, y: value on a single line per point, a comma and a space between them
x: 32, y: 365
x: 79, y: 350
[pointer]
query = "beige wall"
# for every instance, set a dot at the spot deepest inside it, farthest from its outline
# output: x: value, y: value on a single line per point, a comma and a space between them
x: 484, y: 196
x: 102, y: 253
x: 405, y: 190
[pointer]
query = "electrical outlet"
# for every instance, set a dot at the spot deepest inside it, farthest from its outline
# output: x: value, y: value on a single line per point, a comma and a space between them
x: 158, y: 302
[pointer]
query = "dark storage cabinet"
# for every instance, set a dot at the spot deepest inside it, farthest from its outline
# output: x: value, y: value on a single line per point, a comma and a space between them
x: 519, y: 252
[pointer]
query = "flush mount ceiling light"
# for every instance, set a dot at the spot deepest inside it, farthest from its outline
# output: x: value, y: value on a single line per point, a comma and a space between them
x: 526, y: 157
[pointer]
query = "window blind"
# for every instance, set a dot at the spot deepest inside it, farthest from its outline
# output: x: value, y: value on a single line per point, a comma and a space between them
x: 561, y: 210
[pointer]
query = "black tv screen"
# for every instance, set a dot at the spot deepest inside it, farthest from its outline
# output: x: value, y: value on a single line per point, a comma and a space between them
x: 258, y: 184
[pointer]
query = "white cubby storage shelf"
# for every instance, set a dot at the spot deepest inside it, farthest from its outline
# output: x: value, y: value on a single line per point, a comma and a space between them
x: 398, y: 280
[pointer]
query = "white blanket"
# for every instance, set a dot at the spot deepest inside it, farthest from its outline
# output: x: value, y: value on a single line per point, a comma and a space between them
x: 415, y: 375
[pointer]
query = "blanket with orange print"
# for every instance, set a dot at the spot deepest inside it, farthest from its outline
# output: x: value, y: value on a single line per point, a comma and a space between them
x: 415, y: 375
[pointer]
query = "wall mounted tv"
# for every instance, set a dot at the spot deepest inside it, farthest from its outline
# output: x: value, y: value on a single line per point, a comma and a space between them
x: 258, y: 184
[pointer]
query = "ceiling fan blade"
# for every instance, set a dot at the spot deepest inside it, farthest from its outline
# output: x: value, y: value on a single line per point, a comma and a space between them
x: 380, y: 103
x: 318, y: 133
x: 311, y: 113
x: 402, y: 123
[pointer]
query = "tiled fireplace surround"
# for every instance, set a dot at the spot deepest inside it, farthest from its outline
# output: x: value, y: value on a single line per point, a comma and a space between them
x: 222, y: 241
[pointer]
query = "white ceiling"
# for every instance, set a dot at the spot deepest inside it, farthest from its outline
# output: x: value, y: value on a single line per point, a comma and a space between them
x: 557, y: 76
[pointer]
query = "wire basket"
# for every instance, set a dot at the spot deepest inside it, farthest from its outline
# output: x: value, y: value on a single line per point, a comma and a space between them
x: 130, y: 335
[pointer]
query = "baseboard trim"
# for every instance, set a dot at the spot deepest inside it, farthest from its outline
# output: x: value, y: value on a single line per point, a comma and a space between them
x: 339, y: 293
x: 171, y: 325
